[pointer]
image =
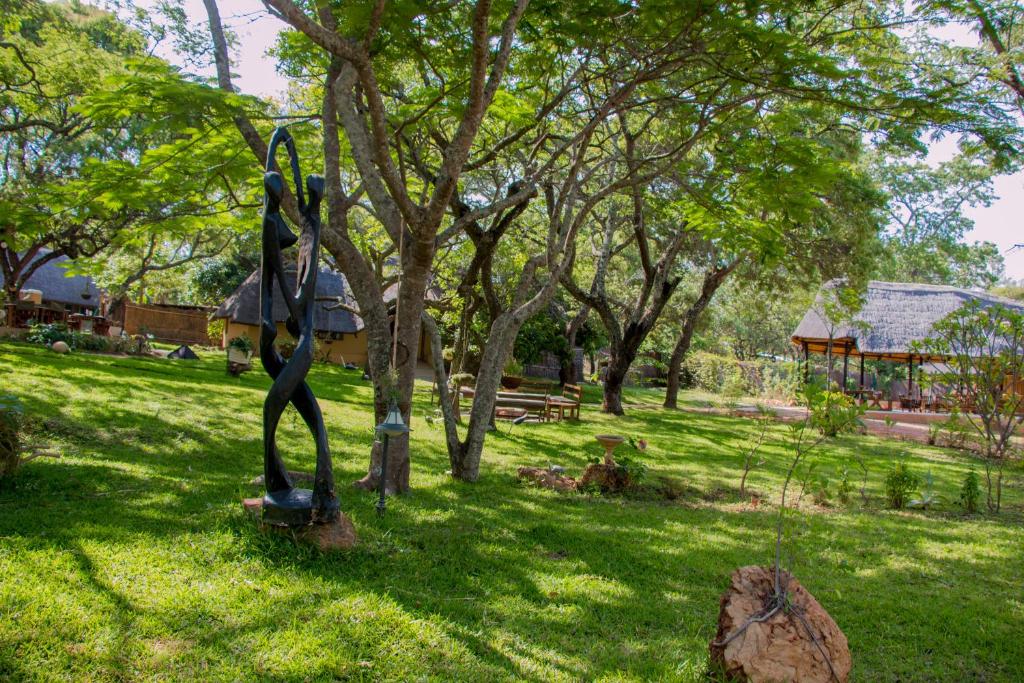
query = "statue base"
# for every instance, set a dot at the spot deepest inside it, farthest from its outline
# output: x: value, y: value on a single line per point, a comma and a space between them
x: 337, y: 534
x: 292, y: 508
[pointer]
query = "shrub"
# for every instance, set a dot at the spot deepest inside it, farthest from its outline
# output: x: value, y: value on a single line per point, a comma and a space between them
x: 927, y: 497
x: 634, y: 471
x: 711, y: 372
x: 134, y: 346
x: 900, y: 482
x: 48, y: 334
x: 845, y: 488
x: 54, y: 332
x: 970, y: 492
x: 838, y: 412
x: 215, y: 331
x: 242, y: 343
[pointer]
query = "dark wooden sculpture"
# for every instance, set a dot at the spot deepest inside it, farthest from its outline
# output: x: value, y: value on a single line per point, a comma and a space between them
x: 284, y: 504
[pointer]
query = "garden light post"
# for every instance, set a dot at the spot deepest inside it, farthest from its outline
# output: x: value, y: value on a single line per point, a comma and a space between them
x: 393, y: 425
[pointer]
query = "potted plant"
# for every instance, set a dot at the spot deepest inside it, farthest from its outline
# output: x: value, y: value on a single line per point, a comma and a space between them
x: 240, y: 349
x: 513, y: 375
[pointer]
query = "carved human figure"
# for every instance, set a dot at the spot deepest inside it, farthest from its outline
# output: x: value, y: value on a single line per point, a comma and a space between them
x: 283, y: 503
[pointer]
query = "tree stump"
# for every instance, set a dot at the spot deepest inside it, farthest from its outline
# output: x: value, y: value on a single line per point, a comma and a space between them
x: 781, y: 648
x: 609, y: 478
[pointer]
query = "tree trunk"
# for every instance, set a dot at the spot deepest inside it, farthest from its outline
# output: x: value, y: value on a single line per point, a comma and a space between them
x: 466, y: 459
x: 567, y: 370
x: 615, y: 377
x: 713, y: 280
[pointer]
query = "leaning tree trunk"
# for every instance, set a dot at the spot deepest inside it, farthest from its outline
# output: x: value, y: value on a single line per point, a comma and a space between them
x: 466, y: 459
x: 679, y: 352
x: 713, y: 280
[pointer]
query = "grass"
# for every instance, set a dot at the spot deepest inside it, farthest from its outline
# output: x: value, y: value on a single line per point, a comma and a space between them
x: 130, y: 557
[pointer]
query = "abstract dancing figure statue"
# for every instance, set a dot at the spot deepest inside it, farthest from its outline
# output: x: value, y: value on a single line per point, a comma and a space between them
x: 283, y: 504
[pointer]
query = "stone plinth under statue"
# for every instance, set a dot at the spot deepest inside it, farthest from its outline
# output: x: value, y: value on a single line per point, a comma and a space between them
x: 338, y: 534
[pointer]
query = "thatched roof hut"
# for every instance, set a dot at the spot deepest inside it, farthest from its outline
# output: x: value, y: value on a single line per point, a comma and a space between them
x: 52, y: 280
x: 893, y: 317
x: 243, y: 305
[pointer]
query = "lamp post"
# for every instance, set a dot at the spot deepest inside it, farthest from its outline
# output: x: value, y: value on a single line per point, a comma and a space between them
x: 393, y: 425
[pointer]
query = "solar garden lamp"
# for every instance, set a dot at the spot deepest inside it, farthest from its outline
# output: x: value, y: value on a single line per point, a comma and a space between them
x: 393, y: 425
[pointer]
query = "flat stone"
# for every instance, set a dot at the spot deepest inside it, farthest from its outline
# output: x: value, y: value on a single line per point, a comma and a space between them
x: 545, y: 478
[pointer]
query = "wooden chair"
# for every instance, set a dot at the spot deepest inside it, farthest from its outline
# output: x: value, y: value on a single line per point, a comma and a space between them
x: 569, y: 402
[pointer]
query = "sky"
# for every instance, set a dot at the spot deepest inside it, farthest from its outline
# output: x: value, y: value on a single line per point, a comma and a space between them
x: 1001, y: 222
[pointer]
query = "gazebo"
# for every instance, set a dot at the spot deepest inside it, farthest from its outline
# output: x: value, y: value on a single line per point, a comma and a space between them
x: 894, y: 316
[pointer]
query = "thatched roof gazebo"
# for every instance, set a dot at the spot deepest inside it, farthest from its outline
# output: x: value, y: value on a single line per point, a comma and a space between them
x: 894, y: 315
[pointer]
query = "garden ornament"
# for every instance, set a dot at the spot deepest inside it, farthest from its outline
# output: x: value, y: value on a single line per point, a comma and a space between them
x: 285, y: 505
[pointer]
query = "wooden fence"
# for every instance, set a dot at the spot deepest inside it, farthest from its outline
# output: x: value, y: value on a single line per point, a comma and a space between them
x: 167, y: 324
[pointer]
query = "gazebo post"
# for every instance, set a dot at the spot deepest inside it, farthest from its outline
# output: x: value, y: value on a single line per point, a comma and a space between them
x: 861, y: 372
x: 846, y: 366
x: 806, y: 364
x: 910, y: 376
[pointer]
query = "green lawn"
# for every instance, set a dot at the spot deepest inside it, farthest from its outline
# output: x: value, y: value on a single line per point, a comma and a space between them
x: 130, y: 557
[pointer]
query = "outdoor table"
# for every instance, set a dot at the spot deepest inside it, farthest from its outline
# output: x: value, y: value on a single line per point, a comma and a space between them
x: 872, y: 398
x: 88, y: 323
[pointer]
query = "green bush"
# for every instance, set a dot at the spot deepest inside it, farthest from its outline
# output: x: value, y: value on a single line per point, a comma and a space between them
x: 712, y: 372
x: 215, y: 331
x: 133, y: 346
x: 242, y: 342
x: 970, y: 492
x: 54, y: 332
x: 900, y: 482
x: 776, y: 380
x: 50, y: 333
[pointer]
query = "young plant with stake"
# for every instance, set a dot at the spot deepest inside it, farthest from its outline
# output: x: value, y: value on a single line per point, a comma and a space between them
x: 751, y: 457
x: 828, y: 414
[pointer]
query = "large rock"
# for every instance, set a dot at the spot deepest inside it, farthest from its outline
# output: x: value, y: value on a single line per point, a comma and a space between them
x: 779, y: 648
x: 60, y: 347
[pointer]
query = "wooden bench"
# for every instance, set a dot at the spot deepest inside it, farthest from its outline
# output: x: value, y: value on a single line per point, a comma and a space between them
x: 512, y: 402
x: 568, y: 403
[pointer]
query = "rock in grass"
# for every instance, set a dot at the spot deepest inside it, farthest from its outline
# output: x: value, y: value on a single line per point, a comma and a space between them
x: 60, y: 347
x: 547, y: 479
x: 779, y: 648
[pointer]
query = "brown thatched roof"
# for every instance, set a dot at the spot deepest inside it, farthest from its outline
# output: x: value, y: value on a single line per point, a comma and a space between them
x: 894, y: 315
x: 243, y: 305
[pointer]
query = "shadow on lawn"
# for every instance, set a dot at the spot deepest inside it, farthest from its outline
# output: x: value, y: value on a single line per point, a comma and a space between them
x: 527, y: 581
